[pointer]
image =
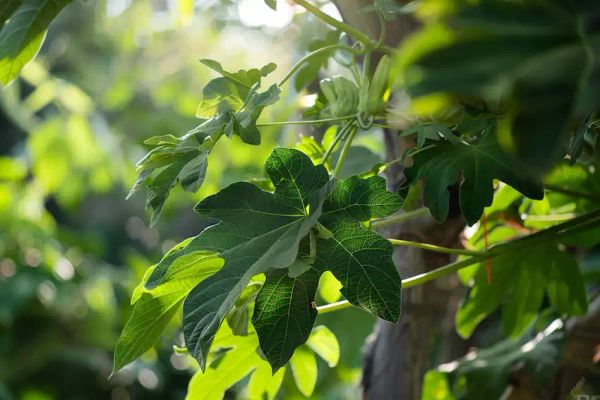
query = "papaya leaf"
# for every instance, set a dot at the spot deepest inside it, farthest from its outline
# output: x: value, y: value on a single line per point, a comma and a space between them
x: 474, y: 166
x: 284, y: 314
x: 258, y: 231
x: 23, y: 33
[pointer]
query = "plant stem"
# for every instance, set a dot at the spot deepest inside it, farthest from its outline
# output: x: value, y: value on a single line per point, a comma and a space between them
x: 576, y: 225
x: 438, y: 249
x: 572, y: 193
x: 398, y: 218
x: 339, y: 135
x: 307, y: 122
x: 310, y: 55
x: 345, y: 149
x: 410, y: 282
x: 357, y: 34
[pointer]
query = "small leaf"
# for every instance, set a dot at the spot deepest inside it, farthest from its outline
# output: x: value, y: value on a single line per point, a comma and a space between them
x: 263, y: 384
x: 304, y: 370
x: 284, y: 315
x: 474, y: 166
x: 323, y: 342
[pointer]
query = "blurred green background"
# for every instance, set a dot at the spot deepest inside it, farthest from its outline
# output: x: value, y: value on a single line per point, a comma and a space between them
x: 111, y: 74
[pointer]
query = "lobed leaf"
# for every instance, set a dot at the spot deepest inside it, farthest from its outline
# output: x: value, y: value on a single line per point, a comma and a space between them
x: 474, y: 167
x: 258, y: 231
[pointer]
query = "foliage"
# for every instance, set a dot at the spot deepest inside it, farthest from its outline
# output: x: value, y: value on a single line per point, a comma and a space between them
x: 483, y: 117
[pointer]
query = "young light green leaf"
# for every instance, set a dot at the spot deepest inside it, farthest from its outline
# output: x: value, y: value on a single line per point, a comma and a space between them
x: 263, y: 384
x: 323, y: 342
x: 358, y: 257
x: 341, y: 94
x: 154, y: 308
x: 474, y: 166
x: 258, y: 231
x: 234, y: 358
x: 284, y: 314
x: 174, y: 160
x: 23, y: 34
x: 304, y: 370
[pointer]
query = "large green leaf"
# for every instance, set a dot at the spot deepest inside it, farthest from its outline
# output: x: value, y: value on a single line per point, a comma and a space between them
x: 23, y: 34
x: 258, y: 231
x: 358, y: 257
x: 539, y: 60
x: 521, y: 277
x: 154, y: 308
x: 474, y: 166
x: 234, y: 358
x: 284, y: 314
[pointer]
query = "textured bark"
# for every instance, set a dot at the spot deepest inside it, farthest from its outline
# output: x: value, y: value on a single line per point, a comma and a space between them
x: 581, y: 351
x: 397, y: 356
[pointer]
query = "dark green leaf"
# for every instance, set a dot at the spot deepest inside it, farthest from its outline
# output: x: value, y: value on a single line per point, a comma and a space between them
x: 284, y: 314
x: 7, y: 8
x: 358, y: 257
x: 551, y: 76
x: 576, y: 145
x: 23, y: 34
x: 258, y: 231
x: 474, y: 166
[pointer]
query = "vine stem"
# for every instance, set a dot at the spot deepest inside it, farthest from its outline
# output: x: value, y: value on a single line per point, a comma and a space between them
x: 572, y: 193
x: 308, y: 122
x: 347, y: 144
x: 366, y: 40
x: 341, y: 132
x: 438, y: 249
x: 574, y: 226
x: 312, y: 54
x: 398, y: 218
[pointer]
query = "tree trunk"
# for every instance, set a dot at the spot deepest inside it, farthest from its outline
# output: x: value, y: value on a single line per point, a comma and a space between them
x: 397, y: 356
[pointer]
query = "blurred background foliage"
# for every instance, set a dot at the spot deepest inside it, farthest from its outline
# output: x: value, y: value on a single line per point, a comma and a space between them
x: 112, y: 73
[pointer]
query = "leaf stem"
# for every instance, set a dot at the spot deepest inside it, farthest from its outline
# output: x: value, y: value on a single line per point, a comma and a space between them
x: 308, y: 122
x: 345, y: 149
x: 572, y: 193
x: 312, y: 54
x: 410, y: 282
x: 398, y: 218
x: 340, y: 134
x: 357, y: 34
x: 576, y: 225
x: 438, y: 249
